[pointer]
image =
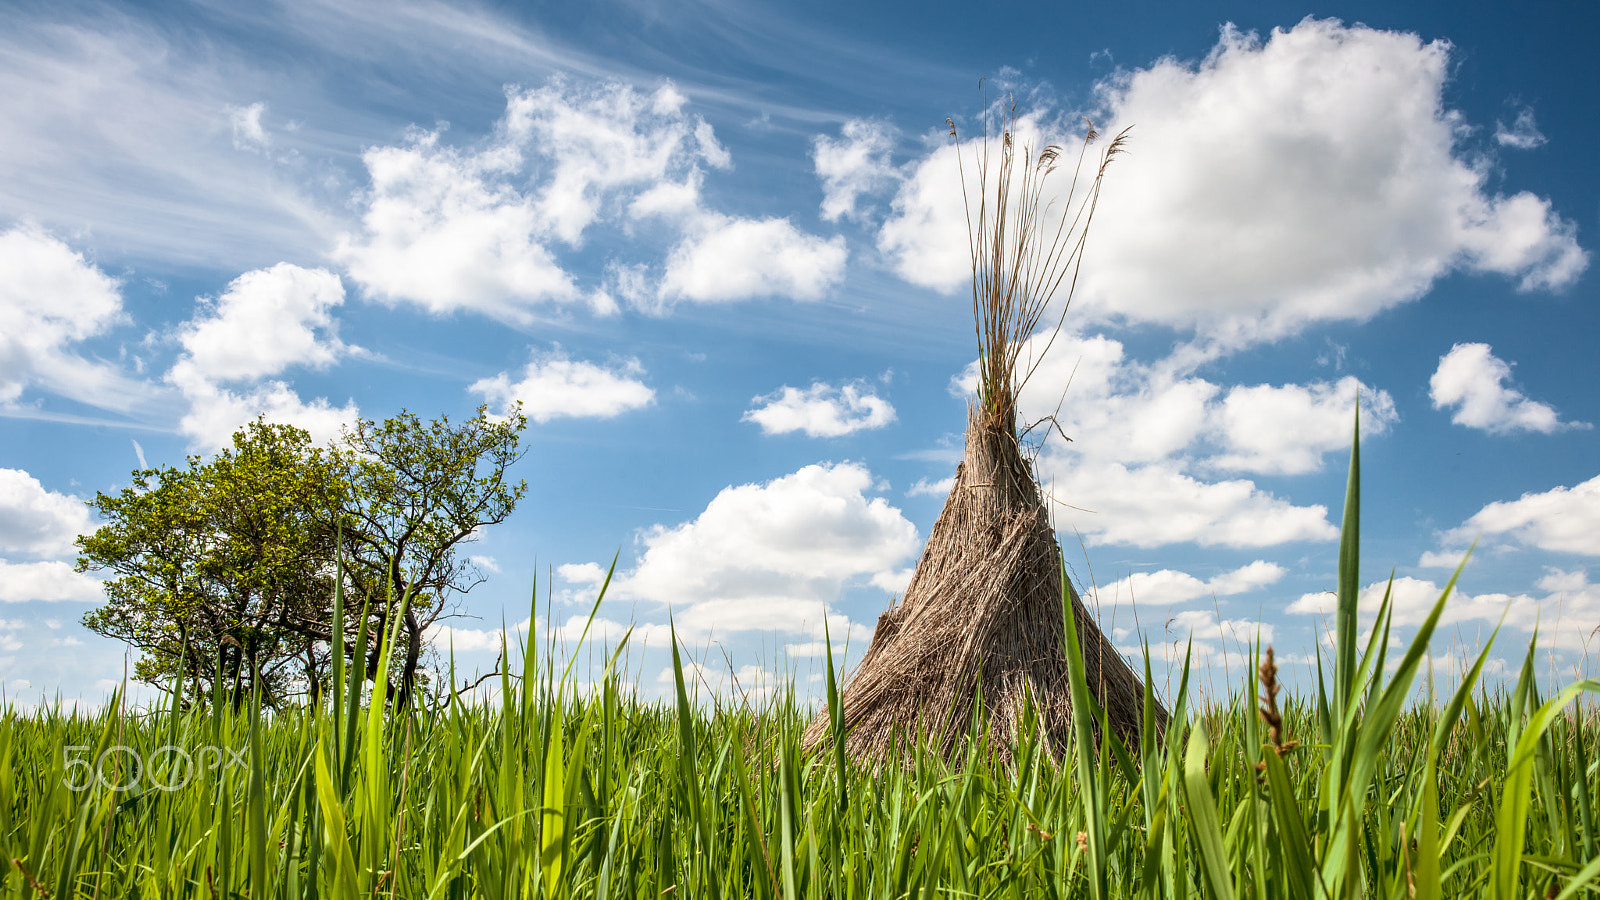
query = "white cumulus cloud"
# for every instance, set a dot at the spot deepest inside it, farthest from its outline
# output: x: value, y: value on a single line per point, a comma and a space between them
x: 1562, y: 519
x: 601, y: 139
x: 852, y: 165
x: 925, y: 488
x: 553, y: 386
x: 589, y: 574
x: 772, y: 556
x: 216, y: 412
x: 1112, y: 407
x: 1473, y: 380
x: 1312, y: 176
x: 443, y: 229
x: 1309, y: 177
x: 1287, y: 429
x: 1216, y: 648
x: 736, y: 259
x: 924, y: 237
x: 481, y: 228
x: 50, y: 581
x: 821, y: 410
x: 1157, y: 503
x: 37, y: 521
x: 1144, y: 434
x: 51, y: 298
x: 1565, y: 616
x: 266, y: 321
x: 1169, y: 587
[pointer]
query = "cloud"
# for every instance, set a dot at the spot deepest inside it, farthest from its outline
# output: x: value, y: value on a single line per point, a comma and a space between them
x: 122, y: 126
x: 746, y: 684
x: 1565, y: 617
x: 1314, y: 176
x: 1473, y: 380
x: 772, y: 556
x: 853, y: 165
x: 926, y: 488
x: 601, y: 632
x: 48, y: 581
x: 1170, y: 587
x: 1156, y: 504
x: 36, y: 521
x: 482, y: 228
x: 1122, y: 410
x: 1561, y: 520
x: 1311, y: 177
x: 215, y: 413
x: 1523, y: 133
x: 442, y: 229
x: 603, y: 138
x: 1441, y: 559
x: 248, y: 133
x: 1216, y: 647
x: 448, y: 638
x: 1247, y: 578
x: 451, y: 228
x: 1203, y: 625
x: 821, y: 410
x: 1286, y: 430
x: 924, y: 238
x: 587, y: 574
x: 1411, y: 599
x: 1111, y: 407
x: 1141, y: 432
x: 554, y: 386
x: 51, y: 298
x: 1558, y: 580
x: 736, y: 259
x: 266, y: 321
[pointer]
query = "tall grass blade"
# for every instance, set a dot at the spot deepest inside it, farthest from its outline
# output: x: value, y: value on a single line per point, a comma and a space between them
x: 1349, y: 582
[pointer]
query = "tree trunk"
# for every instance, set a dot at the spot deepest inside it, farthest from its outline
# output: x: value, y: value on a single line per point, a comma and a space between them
x: 408, y: 674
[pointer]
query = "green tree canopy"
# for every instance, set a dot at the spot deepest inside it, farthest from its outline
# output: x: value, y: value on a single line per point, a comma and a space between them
x: 217, y: 563
x: 227, y: 567
x: 418, y: 492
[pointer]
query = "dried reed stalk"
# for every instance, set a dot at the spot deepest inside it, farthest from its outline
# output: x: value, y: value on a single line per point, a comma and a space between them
x: 977, y: 638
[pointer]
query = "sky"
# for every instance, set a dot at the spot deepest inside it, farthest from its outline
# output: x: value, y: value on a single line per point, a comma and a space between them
x: 717, y: 251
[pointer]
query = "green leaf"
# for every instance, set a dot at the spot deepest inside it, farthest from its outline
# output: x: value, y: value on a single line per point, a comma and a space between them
x: 1203, y: 820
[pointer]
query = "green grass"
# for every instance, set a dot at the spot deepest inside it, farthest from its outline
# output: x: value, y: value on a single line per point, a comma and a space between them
x: 548, y: 791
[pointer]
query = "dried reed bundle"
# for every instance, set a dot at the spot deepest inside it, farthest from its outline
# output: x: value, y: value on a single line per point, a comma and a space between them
x: 976, y: 644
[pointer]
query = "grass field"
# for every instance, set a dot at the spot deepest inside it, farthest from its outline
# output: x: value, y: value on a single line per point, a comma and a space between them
x: 1370, y: 786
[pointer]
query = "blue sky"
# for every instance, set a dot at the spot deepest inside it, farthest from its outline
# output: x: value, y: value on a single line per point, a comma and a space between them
x: 717, y: 251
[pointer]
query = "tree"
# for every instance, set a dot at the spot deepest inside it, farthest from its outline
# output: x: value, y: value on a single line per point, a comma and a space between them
x: 219, y: 564
x: 418, y: 492
x: 230, y: 565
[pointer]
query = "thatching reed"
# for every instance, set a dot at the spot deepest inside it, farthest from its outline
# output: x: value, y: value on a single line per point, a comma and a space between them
x: 978, y: 637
